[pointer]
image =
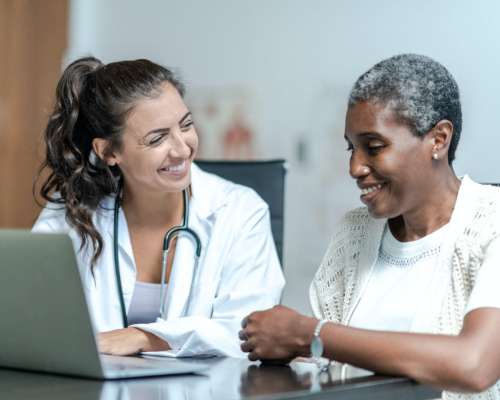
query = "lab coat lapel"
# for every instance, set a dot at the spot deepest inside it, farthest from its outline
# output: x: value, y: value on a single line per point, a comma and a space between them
x: 127, y: 261
x: 183, y: 272
x: 202, y: 209
x: 127, y: 272
x: 105, y: 291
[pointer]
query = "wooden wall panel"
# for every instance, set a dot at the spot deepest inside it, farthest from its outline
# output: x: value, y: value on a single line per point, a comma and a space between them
x: 33, y: 38
x: 4, y: 13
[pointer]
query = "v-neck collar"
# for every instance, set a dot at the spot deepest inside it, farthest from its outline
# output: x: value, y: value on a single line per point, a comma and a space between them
x: 204, y: 203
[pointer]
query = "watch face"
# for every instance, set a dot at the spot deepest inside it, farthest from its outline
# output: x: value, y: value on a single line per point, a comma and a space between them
x: 316, y: 347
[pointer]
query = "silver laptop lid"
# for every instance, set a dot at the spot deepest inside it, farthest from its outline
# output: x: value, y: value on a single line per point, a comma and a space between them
x: 44, y: 320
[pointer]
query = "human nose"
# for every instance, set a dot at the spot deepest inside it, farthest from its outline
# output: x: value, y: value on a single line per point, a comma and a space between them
x: 358, y: 167
x: 179, y: 147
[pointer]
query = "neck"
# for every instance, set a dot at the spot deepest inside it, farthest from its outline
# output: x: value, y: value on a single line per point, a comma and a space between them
x: 152, y: 209
x: 437, y: 207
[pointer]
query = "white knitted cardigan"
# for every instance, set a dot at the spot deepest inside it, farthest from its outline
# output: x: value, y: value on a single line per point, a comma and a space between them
x: 347, y: 265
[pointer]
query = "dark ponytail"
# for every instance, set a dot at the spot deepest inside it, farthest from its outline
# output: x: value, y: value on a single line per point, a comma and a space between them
x: 92, y: 101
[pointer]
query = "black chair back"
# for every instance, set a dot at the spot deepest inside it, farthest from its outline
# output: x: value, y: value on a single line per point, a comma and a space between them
x: 267, y: 178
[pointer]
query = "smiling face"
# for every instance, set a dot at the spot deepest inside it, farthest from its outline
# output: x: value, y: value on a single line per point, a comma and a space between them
x: 391, y: 165
x: 159, y: 143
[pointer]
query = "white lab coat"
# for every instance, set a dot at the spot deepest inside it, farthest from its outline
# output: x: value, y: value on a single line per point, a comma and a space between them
x: 238, y: 271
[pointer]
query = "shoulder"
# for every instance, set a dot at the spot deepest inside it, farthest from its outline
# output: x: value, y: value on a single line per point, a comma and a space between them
x: 219, y: 195
x: 356, y: 217
x: 355, y: 234
x: 480, y: 195
x: 52, y: 219
x: 483, y: 204
x: 350, y: 234
x: 356, y: 223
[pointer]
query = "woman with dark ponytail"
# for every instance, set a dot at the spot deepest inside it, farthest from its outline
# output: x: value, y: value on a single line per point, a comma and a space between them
x: 121, y: 131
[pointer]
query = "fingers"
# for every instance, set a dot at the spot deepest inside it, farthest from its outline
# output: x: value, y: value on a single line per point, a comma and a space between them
x: 253, y: 356
x: 247, y: 346
x: 246, y: 322
x: 247, y: 335
x: 254, y: 352
x: 250, y: 318
x: 242, y: 335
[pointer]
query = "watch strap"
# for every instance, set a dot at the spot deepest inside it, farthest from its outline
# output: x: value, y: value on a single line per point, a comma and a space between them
x: 316, y: 342
x: 319, y: 325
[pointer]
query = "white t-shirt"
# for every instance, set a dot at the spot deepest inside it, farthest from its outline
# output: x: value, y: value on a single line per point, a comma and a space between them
x: 401, y: 278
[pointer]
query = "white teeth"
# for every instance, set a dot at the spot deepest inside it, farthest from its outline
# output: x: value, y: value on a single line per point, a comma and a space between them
x: 371, y: 189
x: 176, y: 168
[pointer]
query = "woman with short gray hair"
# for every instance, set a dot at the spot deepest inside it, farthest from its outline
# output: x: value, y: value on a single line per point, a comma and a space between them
x: 409, y: 283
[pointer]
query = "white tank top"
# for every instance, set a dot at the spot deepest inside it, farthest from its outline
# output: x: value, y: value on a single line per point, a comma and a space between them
x: 145, y: 305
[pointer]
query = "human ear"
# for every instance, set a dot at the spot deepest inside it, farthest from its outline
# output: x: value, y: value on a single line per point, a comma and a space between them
x: 101, y: 148
x: 441, y: 136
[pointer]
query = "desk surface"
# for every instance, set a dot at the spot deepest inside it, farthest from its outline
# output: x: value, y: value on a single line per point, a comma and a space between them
x: 225, y: 379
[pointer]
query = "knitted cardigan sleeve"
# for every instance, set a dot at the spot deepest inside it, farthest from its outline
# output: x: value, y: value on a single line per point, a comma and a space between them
x: 330, y: 292
x: 466, y: 262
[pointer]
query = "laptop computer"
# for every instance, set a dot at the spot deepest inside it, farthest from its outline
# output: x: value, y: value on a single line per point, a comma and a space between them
x: 45, y: 323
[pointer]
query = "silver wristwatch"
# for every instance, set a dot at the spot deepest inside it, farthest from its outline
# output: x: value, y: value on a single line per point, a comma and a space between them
x: 317, y: 347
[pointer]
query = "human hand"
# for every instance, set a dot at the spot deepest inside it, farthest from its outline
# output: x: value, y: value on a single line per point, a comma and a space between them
x: 279, y: 333
x: 127, y: 341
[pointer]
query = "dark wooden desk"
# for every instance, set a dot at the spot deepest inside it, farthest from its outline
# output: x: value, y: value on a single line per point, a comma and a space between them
x: 226, y: 379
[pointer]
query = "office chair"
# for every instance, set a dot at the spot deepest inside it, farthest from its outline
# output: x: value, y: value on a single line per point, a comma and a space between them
x: 267, y: 178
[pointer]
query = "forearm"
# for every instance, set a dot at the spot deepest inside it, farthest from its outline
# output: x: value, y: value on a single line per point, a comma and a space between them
x: 197, y: 335
x: 129, y: 341
x: 151, y: 342
x: 468, y: 362
x: 447, y: 362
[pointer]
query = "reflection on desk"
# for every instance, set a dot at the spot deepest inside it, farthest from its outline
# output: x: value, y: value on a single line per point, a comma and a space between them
x: 227, y: 378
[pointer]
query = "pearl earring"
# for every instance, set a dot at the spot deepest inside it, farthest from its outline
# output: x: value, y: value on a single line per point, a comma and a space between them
x: 435, y: 156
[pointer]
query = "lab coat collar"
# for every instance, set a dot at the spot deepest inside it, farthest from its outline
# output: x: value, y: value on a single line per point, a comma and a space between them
x: 205, y: 201
x: 206, y: 197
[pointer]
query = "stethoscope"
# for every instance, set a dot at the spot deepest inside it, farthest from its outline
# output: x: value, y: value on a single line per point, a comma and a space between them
x: 169, y: 236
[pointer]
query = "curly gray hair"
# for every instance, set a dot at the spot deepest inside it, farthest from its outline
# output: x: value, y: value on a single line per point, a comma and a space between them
x: 420, y: 91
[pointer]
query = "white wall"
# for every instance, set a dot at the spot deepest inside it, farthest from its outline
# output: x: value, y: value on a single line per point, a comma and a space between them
x: 300, y: 58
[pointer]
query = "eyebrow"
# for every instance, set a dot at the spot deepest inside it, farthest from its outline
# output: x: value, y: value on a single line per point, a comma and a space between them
x: 373, y: 135
x: 186, y: 116
x: 166, y: 130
